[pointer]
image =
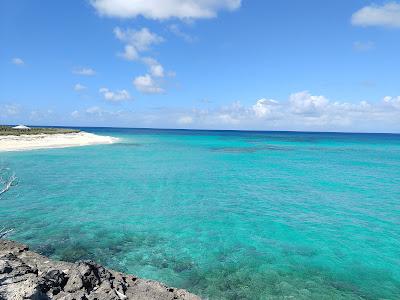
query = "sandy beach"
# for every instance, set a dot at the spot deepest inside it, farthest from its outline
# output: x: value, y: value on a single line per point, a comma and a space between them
x: 45, y: 141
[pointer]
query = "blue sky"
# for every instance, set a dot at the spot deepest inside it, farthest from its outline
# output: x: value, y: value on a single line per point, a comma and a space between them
x: 211, y: 64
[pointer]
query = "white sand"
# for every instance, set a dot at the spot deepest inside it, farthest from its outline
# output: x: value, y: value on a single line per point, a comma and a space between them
x: 44, y: 141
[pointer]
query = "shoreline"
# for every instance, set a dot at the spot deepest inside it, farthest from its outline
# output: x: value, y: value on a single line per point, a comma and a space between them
x: 10, y: 143
x: 25, y: 274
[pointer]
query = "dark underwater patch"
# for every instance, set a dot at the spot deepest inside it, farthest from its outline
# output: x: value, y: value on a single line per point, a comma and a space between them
x: 250, y: 149
x: 300, y: 251
x: 45, y: 249
x: 73, y: 253
x: 125, y: 145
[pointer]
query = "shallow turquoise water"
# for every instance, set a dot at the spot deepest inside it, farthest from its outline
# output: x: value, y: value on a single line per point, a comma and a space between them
x: 227, y: 215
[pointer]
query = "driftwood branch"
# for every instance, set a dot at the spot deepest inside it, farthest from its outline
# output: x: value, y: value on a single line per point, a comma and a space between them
x: 4, y: 232
x: 7, y: 181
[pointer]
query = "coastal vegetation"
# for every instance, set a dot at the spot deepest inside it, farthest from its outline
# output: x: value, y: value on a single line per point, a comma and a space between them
x: 9, y: 130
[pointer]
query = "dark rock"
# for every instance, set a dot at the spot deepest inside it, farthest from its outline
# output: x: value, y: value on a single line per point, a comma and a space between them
x: 53, y: 280
x: 27, y: 275
x: 5, y: 267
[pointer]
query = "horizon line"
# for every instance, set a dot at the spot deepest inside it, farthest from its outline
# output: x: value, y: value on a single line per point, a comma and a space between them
x: 221, y: 130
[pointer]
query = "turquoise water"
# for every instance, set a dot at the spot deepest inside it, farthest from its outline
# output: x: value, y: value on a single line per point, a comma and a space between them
x: 226, y: 215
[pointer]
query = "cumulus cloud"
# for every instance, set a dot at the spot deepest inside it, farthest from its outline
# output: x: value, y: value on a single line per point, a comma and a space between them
x: 84, y: 71
x: 164, y: 9
x: 392, y: 101
x: 130, y: 53
x: 155, y: 68
x: 263, y: 107
x: 382, y: 115
x: 79, y: 87
x: 137, y: 41
x: 18, y: 61
x: 305, y: 103
x: 386, y: 15
x: 304, y: 111
x: 117, y: 96
x: 146, y: 84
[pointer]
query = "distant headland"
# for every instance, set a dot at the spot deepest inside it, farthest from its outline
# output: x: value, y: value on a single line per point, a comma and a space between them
x: 25, y: 130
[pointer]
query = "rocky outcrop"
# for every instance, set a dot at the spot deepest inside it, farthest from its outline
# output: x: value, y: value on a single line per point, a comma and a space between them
x: 27, y: 275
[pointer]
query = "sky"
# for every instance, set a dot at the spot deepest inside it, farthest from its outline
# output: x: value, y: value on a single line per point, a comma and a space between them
x: 304, y: 65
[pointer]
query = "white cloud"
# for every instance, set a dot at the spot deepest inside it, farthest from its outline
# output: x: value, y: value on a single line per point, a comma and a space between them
x: 84, y: 71
x: 362, y: 116
x: 392, y: 101
x: 155, y: 68
x: 175, y: 29
x: 185, y: 120
x: 138, y: 40
x: 79, y: 87
x: 18, y: 61
x: 386, y: 15
x: 305, y: 103
x: 129, y: 53
x: 263, y: 107
x: 363, y: 46
x: 304, y: 111
x: 146, y: 84
x: 164, y: 9
x: 117, y: 96
x: 232, y: 115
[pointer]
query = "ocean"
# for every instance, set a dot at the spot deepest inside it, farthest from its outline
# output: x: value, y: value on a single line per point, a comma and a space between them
x: 223, y: 214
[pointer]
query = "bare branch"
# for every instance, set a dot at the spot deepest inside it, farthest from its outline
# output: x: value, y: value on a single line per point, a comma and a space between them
x: 4, y: 232
x: 7, y: 181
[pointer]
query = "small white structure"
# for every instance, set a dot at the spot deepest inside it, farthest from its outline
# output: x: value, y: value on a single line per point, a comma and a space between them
x: 23, y: 127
